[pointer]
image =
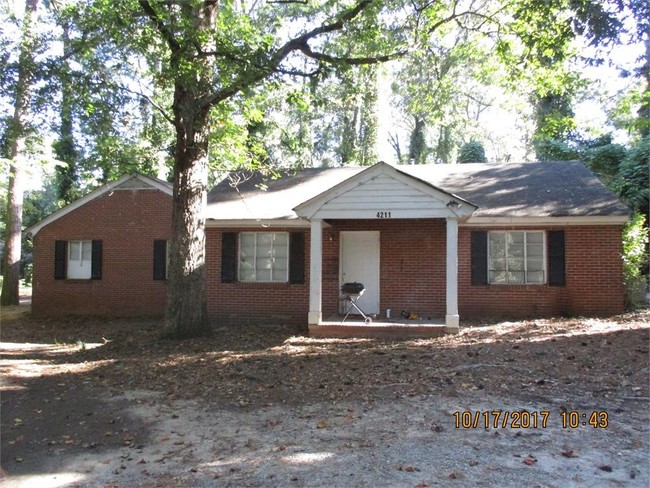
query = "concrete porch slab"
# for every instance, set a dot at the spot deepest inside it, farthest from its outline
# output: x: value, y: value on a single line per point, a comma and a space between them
x: 379, y: 329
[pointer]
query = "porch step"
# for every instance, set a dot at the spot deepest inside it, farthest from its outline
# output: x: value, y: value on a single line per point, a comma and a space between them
x: 370, y: 331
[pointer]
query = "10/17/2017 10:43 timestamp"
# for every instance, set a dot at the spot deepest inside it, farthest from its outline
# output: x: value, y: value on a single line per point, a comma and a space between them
x: 495, y: 419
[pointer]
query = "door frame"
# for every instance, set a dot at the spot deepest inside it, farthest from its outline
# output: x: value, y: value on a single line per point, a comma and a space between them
x: 377, y: 267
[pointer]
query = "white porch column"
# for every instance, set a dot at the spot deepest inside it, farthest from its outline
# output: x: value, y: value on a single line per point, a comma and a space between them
x: 316, y: 273
x: 452, y: 319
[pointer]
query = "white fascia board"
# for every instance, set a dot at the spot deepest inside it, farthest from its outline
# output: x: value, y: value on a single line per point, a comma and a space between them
x: 311, y: 208
x: 33, y: 230
x: 560, y: 221
x: 264, y: 223
x: 157, y: 184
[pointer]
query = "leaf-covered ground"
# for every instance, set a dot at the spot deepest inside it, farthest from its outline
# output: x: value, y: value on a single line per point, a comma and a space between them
x: 87, y: 387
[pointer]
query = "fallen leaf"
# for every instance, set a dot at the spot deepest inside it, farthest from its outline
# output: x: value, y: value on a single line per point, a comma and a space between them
x: 570, y: 453
x: 321, y: 424
x: 529, y: 461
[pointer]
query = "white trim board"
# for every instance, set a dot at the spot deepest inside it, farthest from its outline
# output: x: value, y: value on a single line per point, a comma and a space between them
x: 558, y: 221
x: 262, y: 223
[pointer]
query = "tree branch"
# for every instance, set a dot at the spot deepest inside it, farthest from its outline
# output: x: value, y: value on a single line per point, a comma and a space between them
x: 307, y: 51
x: 164, y: 30
x: 300, y: 43
x: 292, y: 72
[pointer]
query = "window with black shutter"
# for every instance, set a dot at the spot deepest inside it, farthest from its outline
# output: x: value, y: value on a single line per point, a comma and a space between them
x: 78, y: 260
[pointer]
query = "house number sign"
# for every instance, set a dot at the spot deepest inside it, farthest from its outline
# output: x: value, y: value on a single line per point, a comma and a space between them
x: 383, y: 215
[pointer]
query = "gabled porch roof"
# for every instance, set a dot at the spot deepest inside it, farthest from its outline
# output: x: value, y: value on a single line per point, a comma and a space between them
x: 383, y: 191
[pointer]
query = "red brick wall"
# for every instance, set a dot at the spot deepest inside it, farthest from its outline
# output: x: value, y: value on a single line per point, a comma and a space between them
x: 412, y: 269
x: 412, y: 277
x: 412, y: 274
x: 245, y: 303
x: 404, y: 281
x: 127, y: 221
x: 594, y: 280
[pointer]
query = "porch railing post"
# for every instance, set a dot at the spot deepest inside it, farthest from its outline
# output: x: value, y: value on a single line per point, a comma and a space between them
x: 452, y: 319
x: 315, y: 273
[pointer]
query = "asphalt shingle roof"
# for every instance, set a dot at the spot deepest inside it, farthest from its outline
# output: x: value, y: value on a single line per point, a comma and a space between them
x: 542, y: 189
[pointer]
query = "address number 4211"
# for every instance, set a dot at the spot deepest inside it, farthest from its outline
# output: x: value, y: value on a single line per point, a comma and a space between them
x: 383, y: 215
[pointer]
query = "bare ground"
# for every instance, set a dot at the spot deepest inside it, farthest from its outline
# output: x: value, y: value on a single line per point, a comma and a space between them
x: 89, y: 402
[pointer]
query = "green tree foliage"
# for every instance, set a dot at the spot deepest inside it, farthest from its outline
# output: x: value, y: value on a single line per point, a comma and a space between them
x: 215, y: 55
x: 635, y: 259
x: 441, y: 91
x: 472, y: 152
x: 604, y: 158
x: 633, y: 182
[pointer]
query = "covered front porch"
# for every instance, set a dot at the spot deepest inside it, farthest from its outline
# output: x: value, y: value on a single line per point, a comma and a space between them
x: 410, y: 231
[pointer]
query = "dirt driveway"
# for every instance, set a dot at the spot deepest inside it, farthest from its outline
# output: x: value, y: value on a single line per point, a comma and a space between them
x: 546, y: 403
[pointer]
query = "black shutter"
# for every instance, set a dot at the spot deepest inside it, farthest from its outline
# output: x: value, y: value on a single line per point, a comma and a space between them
x: 556, y: 260
x: 228, y: 257
x: 159, y: 259
x: 96, y: 266
x: 479, y: 257
x: 297, y: 258
x: 60, y: 259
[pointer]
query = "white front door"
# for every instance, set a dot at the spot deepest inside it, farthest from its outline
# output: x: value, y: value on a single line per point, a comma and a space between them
x: 360, y: 263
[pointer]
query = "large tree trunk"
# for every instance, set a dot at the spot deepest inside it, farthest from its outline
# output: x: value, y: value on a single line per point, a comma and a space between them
x: 11, y: 263
x: 186, y: 314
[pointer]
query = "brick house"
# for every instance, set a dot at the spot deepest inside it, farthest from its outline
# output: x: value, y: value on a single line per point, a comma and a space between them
x: 444, y: 241
x: 96, y: 256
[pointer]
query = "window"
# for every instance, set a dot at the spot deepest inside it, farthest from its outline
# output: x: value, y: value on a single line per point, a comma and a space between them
x: 264, y: 256
x: 78, y: 260
x: 516, y: 257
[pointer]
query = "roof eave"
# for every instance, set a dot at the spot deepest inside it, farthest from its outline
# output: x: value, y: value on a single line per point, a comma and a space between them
x: 547, y: 220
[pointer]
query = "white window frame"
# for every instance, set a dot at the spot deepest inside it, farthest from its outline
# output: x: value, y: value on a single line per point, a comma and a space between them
x: 277, y: 276
x: 78, y: 268
x: 526, y: 281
